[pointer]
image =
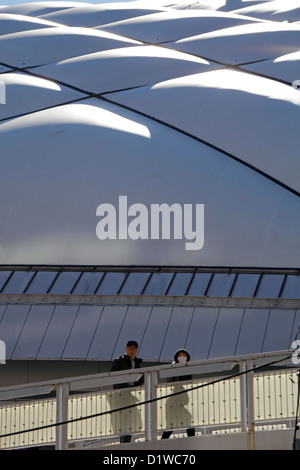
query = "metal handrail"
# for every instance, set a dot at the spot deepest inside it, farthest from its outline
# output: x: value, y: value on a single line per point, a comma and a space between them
x: 154, y: 377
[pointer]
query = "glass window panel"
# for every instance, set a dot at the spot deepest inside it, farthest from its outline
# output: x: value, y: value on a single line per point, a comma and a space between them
x: 270, y: 285
x: 221, y: 285
x: 64, y: 282
x: 279, y: 330
x: 295, y: 335
x: 177, y: 331
x: 245, y: 285
x: 133, y: 327
x: 107, y: 332
x: 4, y: 275
x: 18, y: 282
x: 41, y: 282
x: 135, y: 283
x: 11, y: 326
x: 158, y: 284
x: 82, y: 332
x: 37, y: 321
x: 111, y: 283
x: 155, y: 333
x: 2, y: 311
x: 252, y: 332
x: 226, y: 332
x: 291, y: 289
x: 58, y: 332
x: 88, y: 283
x: 201, y: 332
x: 180, y: 284
x: 199, y: 284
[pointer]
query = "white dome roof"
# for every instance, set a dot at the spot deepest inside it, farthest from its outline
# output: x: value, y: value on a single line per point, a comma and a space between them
x: 163, y: 106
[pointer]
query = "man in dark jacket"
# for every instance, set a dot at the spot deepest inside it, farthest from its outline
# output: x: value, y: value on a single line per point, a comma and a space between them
x: 128, y: 361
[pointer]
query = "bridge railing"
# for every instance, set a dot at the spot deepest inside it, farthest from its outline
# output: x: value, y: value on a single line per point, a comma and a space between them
x: 213, y: 396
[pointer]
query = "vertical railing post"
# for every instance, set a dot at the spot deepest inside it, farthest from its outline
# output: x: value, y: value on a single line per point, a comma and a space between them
x: 247, y: 398
x: 147, y: 382
x: 154, y: 382
x: 62, y: 395
x: 250, y: 392
x: 243, y: 396
x: 150, y: 408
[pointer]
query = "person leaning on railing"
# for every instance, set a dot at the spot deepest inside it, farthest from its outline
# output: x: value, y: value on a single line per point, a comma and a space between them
x: 127, y: 361
x: 181, y: 356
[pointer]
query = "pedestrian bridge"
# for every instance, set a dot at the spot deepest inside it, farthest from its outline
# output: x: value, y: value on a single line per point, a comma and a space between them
x: 246, y: 402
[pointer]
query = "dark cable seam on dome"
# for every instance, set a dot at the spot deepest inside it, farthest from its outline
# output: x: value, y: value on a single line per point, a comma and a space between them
x: 208, y: 144
x: 198, y: 139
